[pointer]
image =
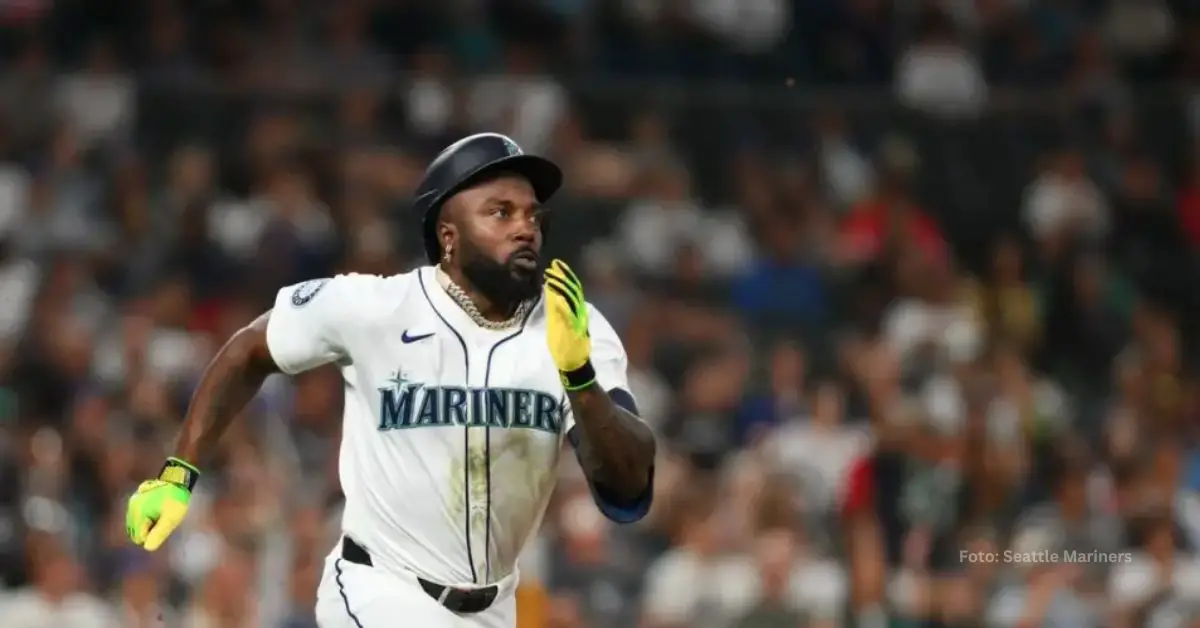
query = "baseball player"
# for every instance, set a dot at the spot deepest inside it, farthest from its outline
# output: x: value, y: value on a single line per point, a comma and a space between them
x: 462, y: 380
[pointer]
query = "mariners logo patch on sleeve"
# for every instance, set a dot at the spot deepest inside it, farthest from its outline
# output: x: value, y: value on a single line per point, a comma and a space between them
x: 306, y: 291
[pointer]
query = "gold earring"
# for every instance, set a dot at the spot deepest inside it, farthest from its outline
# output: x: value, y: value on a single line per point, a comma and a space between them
x: 446, y: 257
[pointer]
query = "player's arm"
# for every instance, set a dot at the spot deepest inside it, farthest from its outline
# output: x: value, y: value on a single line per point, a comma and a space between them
x: 299, y: 334
x: 615, y: 448
x: 231, y: 380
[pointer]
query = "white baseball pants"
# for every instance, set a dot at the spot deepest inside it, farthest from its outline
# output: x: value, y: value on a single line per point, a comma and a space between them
x: 359, y: 596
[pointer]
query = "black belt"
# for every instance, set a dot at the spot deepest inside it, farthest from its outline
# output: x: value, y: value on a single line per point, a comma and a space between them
x: 465, y: 601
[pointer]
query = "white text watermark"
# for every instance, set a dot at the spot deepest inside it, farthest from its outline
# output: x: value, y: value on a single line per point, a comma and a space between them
x: 1046, y: 557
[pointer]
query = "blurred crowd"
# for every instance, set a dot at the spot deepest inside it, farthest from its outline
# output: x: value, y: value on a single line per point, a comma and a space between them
x: 908, y: 291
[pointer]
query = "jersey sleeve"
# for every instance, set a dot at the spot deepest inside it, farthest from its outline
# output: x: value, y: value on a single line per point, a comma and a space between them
x: 608, y: 354
x: 307, y: 324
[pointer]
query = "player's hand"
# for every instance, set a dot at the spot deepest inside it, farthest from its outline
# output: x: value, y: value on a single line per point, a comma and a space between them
x: 158, y: 506
x: 567, y: 325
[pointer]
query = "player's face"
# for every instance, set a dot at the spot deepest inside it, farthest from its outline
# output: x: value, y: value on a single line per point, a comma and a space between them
x: 500, y: 238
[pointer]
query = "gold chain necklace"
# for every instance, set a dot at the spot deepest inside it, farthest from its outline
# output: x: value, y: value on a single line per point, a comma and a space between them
x: 464, y: 301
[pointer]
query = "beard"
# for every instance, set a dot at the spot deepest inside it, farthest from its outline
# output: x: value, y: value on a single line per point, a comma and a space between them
x: 502, y: 283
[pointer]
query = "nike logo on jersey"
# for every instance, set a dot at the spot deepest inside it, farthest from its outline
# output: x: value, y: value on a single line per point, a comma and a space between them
x: 407, y: 339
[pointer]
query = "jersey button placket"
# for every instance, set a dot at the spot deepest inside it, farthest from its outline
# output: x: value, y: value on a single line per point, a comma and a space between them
x: 484, y: 566
x: 477, y: 512
x: 478, y: 516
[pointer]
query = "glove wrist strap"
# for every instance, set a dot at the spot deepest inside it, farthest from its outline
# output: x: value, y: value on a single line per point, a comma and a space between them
x: 579, y: 378
x: 177, y: 471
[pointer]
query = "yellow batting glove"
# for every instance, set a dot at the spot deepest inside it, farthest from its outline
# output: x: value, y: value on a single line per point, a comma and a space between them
x: 158, y: 506
x: 567, y: 326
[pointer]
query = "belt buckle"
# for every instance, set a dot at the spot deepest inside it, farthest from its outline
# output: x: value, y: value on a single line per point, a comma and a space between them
x: 458, y: 600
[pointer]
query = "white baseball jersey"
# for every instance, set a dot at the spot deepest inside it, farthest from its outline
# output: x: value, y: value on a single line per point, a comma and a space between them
x: 452, y: 432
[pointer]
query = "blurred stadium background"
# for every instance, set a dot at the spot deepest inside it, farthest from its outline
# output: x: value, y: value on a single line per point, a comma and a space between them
x: 896, y: 279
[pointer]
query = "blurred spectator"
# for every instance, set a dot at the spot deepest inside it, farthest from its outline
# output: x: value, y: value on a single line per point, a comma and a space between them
x: 785, y: 398
x: 849, y: 174
x: 1004, y: 302
x: 645, y: 382
x: 523, y: 102
x: 787, y: 284
x: 690, y: 584
x: 594, y: 568
x: 938, y: 74
x: 667, y: 219
x: 703, y: 424
x: 819, y: 448
x: 19, y: 278
x: 430, y: 100
x: 1063, y: 205
x: 349, y: 60
x: 750, y: 27
x: 890, y: 217
x: 1087, y: 321
x: 57, y: 596
x: 16, y: 187
x: 27, y: 98
x: 1157, y: 582
x: 595, y: 169
x: 141, y: 590
x: 97, y: 101
x: 1139, y: 32
x: 933, y: 323
x: 1147, y: 239
x: 67, y: 212
x: 1046, y: 595
x: 222, y: 599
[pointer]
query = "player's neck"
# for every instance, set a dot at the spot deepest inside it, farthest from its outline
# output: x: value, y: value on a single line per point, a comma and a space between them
x: 489, y: 309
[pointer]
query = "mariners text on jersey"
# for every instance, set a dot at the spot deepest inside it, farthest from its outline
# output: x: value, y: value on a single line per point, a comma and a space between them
x: 406, y: 404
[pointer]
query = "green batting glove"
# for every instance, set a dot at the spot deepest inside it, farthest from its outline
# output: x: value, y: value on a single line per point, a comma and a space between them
x: 158, y: 506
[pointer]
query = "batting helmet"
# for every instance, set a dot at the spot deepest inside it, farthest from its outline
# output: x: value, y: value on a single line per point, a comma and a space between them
x: 465, y: 163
